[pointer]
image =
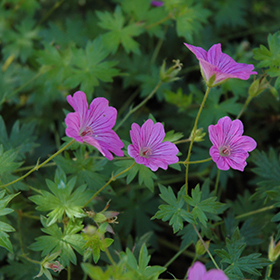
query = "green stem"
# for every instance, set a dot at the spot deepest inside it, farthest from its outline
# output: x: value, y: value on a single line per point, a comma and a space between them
x: 159, y: 22
x: 112, y: 179
x: 182, y: 141
x: 194, y: 133
x: 249, y: 98
x: 131, y: 111
x: 217, y: 182
x: 195, y: 161
x: 248, y: 214
x: 269, y: 271
x: 54, y: 7
x: 205, y: 246
x: 69, y: 272
x: 40, y: 165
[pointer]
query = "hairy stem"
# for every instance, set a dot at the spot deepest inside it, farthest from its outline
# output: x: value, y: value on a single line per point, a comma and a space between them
x: 112, y: 179
x: 38, y: 166
x: 194, y: 133
x: 132, y: 110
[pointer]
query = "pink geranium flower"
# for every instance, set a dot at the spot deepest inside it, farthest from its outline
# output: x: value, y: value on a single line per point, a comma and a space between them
x: 147, y: 147
x: 216, y: 67
x: 230, y: 148
x: 93, y: 125
x: 198, y: 272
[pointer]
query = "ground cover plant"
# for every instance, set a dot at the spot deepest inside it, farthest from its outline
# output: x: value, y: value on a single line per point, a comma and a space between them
x: 139, y: 139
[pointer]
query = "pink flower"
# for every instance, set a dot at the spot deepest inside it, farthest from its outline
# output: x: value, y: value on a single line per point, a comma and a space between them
x: 198, y: 272
x: 93, y: 125
x: 147, y: 147
x: 230, y: 148
x: 216, y: 67
x: 157, y: 3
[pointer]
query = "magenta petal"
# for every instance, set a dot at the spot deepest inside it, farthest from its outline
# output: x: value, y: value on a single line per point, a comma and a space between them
x: 215, y: 274
x: 215, y: 62
x: 94, y: 125
x: 197, y: 271
x: 147, y: 147
x: 230, y: 148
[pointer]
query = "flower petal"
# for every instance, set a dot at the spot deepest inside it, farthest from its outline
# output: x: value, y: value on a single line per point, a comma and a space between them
x: 197, y: 271
x: 79, y: 104
x: 198, y: 51
x: 215, y: 274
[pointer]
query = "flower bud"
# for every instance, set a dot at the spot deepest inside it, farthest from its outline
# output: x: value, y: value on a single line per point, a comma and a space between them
x: 199, y: 247
x: 273, y: 250
x: 258, y: 86
x: 170, y: 74
x: 199, y: 134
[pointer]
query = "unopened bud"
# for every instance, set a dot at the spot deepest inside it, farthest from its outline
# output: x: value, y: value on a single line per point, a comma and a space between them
x: 273, y: 250
x: 258, y: 86
x: 199, y: 134
x: 170, y: 74
x: 199, y: 247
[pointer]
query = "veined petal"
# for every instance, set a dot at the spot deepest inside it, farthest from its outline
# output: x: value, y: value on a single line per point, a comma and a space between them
x: 216, y: 135
x: 101, y: 116
x: 197, y: 271
x: 215, y: 274
x: 198, y: 51
x: 152, y: 134
x: 231, y: 129
x: 214, y: 54
x: 135, y: 133
x: 79, y: 104
x: 245, y: 143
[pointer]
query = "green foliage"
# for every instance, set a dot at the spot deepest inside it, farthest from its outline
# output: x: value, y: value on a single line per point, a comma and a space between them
x: 237, y: 264
x: 269, y: 57
x: 267, y: 168
x: 4, y: 227
x: 127, y: 268
x: 145, y: 175
x: 60, y: 240
x: 200, y: 206
x: 95, y: 241
x: 119, y: 34
x: 175, y: 210
x: 62, y: 202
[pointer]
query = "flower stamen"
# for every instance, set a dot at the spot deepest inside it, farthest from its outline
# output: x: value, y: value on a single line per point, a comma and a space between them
x: 146, y: 152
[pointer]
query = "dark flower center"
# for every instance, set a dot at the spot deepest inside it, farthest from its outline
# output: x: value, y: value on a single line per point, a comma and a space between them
x: 145, y: 152
x: 87, y: 131
x: 225, y: 151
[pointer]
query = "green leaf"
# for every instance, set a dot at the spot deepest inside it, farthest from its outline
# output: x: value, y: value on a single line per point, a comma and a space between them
x: 21, y: 137
x: 270, y: 57
x: 182, y: 101
x: 214, y: 109
x: 145, y: 176
x: 267, y: 170
x: 90, y: 67
x: 57, y: 240
x: 175, y: 210
x: 119, y: 34
x: 20, y: 42
x: 63, y: 200
x: 232, y: 256
x: 4, y: 227
x: 209, y: 205
x: 230, y: 13
x: 190, y: 20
